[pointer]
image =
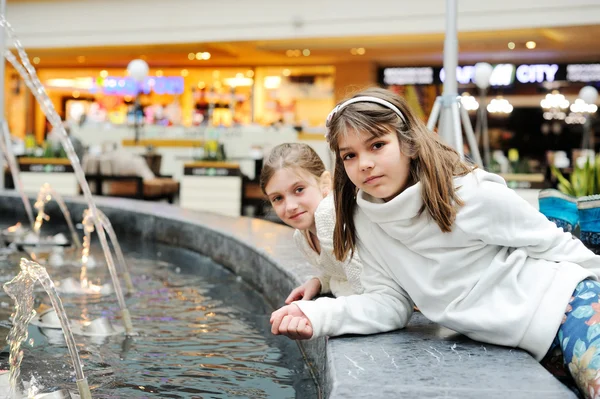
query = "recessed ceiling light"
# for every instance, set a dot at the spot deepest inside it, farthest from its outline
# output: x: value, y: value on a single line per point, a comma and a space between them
x: 530, y: 45
x: 511, y: 45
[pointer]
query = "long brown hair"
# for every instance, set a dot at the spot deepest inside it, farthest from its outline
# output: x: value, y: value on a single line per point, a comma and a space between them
x: 290, y: 155
x: 432, y: 163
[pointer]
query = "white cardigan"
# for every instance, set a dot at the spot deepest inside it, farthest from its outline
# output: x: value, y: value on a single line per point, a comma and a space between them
x: 339, y: 278
x: 503, y: 275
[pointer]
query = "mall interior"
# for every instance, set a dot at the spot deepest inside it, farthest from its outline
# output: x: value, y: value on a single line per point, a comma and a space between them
x: 171, y: 108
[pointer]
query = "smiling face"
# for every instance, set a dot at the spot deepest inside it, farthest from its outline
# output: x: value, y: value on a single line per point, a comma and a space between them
x: 295, y: 196
x: 375, y: 164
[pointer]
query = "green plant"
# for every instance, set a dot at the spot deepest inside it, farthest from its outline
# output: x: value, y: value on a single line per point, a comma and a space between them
x: 583, y: 181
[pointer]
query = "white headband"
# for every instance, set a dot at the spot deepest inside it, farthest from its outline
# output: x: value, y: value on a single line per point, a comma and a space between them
x: 363, y: 99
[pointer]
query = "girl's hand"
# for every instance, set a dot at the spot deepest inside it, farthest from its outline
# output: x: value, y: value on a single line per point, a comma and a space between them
x: 291, y: 322
x: 306, y: 291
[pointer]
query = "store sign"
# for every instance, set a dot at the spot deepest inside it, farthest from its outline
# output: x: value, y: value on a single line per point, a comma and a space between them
x: 117, y: 85
x: 503, y: 75
x: 536, y: 73
x: 46, y: 168
x: 583, y: 73
x: 408, y: 76
x: 211, y: 172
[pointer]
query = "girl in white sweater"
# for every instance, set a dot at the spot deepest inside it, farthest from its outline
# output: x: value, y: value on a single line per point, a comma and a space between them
x: 297, y: 185
x: 454, y: 240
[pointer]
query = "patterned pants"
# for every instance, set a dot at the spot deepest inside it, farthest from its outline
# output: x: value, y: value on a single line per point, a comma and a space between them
x: 574, y: 356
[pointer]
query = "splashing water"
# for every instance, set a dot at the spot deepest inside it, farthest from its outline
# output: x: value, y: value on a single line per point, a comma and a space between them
x: 29, y: 75
x: 20, y: 289
x: 14, y: 170
x: 115, y: 242
x: 44, y: 196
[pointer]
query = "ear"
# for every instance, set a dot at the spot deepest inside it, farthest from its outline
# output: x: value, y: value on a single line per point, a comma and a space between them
x: 325, y: 183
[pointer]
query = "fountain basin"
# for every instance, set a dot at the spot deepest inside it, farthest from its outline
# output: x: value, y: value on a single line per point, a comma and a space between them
x: 396, y: 364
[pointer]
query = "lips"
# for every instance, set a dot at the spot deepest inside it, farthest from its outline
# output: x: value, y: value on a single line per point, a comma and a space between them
x: 297, y: 215
x: 372, y: 179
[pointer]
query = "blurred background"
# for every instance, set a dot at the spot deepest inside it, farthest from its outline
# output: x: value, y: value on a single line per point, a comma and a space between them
x: 228, y: 80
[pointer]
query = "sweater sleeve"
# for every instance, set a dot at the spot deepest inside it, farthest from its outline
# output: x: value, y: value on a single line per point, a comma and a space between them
x: 312, y: 257
x: 497, y: 215
x: 384, y: 306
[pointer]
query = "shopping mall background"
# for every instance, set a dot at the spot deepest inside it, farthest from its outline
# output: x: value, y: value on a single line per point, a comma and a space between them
x: 284, y: 64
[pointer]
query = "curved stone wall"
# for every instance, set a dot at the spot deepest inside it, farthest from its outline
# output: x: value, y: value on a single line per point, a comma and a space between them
x: 422, y: 361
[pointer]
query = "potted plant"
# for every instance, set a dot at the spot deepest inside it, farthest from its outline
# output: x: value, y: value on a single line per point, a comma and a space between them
x: 576, y: 203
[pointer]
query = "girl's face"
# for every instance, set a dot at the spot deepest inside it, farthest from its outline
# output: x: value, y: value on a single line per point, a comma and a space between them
x: 295, y: 196
x: 375, y: 164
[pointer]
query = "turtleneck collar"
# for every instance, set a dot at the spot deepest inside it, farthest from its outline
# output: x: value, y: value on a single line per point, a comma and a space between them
x: 404, y: 206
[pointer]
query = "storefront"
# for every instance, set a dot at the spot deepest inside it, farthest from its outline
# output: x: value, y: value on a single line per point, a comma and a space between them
x: 170, y: 102
x: 533, y: 108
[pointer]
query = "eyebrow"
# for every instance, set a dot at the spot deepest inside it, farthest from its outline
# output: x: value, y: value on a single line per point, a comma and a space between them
x: 293, y: 185
x: 342, y: 149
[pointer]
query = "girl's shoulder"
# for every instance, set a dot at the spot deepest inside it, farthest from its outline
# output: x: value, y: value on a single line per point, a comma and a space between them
x: 302, y: 244
x: 481, y: 190
x: 325, y: 218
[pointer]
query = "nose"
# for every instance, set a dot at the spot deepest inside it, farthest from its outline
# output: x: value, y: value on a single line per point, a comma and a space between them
x: 366, y: 163
x: 291, y: 206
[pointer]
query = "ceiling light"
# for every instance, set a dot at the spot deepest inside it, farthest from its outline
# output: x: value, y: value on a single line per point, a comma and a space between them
x: 306, y: 52
x: 36, y: 60
x: 360, y: 51
x: 511, y: 45
x: 104, y: 73
x: 191, y: 56
x: 530, y: 45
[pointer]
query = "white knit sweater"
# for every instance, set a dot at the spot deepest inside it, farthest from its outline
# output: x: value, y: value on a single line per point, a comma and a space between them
x: 503, y: 275
x: 339, y: 278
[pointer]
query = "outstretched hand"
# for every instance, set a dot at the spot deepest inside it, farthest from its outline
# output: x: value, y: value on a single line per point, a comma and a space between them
x: 291, y: 322
x: 306, y: 291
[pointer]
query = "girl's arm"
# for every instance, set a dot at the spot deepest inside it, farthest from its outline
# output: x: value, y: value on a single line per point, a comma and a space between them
x: 384, y: 306
x: 497, y: 215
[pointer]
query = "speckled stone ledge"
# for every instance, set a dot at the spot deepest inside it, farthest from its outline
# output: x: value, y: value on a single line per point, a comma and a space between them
x: 424, y: 360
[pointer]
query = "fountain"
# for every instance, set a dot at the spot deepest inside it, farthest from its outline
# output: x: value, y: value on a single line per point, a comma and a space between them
x: 204, y: 331
x: 6, y: 148
x: 29, y: 76
x: 20, y: 289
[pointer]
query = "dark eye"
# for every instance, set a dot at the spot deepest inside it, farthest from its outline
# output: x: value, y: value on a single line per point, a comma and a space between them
x: 348, y: 156
x: 276, y: 199
x: 299, y: 190
x: 377, y: 146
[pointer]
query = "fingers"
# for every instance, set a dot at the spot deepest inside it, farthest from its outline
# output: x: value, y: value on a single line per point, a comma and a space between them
x: 295, y: 295
x: 292, y: 328
x: 304, y: 329
x: 276, y: 319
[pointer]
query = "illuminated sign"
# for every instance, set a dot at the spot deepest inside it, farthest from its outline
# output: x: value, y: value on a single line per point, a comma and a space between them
x: 128, y: 86
x: 408, y: 76
x: 583, y: 73
x: 536, y: 73
x: 502, y: 74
